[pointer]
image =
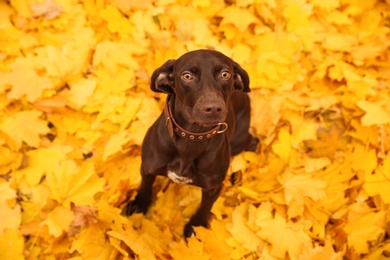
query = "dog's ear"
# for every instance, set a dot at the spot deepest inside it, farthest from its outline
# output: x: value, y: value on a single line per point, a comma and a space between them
x: 162, y: 78
x: 241, y: 78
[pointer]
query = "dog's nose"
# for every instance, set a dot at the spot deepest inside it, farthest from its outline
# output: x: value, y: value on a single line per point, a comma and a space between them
x: 213, y: 108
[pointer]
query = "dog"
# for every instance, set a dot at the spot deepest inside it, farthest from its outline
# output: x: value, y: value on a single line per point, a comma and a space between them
x: 205, y: 121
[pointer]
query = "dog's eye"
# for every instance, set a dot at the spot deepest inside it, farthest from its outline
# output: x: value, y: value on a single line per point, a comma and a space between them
x: 225, y: 75
x: 187, y: 76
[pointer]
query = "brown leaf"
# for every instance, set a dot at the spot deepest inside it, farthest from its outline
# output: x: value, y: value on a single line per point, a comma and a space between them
x: 329, y: 141
x: 84, y: 216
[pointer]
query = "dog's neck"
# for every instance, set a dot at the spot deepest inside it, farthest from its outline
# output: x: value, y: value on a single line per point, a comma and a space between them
x: 175, y: 128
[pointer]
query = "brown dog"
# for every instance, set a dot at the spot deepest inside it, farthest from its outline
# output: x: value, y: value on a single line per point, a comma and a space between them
x: 205, y: 121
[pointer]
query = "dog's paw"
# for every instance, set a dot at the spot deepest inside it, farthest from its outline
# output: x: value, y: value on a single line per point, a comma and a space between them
x: 188, y: 231
x: 253, y: 144
x: 131, y: 208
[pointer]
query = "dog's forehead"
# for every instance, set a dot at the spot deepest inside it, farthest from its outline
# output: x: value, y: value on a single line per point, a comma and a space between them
x: 203, y: 59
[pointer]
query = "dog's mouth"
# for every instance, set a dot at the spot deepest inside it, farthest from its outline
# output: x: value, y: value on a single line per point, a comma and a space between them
x: 205, y: 122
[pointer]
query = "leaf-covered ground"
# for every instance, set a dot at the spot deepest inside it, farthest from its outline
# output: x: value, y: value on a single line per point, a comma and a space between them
x: 75, y: 104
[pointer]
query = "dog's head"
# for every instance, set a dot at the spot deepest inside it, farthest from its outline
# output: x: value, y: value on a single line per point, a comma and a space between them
x: 202, y: 82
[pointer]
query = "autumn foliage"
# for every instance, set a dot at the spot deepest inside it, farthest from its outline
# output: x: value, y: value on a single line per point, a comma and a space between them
x: 75, y: 104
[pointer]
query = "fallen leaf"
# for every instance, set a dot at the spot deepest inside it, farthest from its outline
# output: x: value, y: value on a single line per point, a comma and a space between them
x: 83, y: 216
x: 375, y: 115
x: 282, y: 147
x: 378, y: 182
x: 58, y: 220
x: 91, y: 243
x: 229, y: 15
x: 286, y: 238
x: 364, y: 229
x: 329, y: 141
x: 11, y: 245
x: 115, y: 143
x: 25, y: 126
x: 40, y: 162
x: 298, y: 185
x: 48, y: 9
x: 214, y: 240
x: 70, y: 183
x: 192, y: 250
x: 241, y: 231
x: 31, y: 85
x: 10, y: 217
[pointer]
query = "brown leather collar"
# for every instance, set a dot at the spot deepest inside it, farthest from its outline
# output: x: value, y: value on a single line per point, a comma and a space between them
x: 173, y: 127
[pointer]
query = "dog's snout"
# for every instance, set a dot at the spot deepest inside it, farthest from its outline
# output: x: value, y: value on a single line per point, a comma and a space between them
x: 209, y: 110
x: 213, y: 108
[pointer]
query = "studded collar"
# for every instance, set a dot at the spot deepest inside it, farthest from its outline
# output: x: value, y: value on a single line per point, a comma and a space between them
x: 174, y: 127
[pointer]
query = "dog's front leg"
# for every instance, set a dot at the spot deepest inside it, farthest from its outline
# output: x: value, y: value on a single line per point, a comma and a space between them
x: 144, y: 196
x: 201, y: 217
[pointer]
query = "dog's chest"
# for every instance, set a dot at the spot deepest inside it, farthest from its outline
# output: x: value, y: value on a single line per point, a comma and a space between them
x: 179, y: 179
x: 181, y: 172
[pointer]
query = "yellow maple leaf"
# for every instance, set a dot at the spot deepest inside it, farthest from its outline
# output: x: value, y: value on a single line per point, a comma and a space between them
x: 241, y: 53
x: 192, y: 250
x: 80, y: 91
x: 284, y: 237
x: 338, y: 17
x: 40, y: 162
x: 110, y: 215
x: 11, y: 245
x: 363, y: 159
x: 321, y: 252
x: 214, y: 240
x: 96, y: 248
x: 329, y: 141
x: 70, y: 183
x: 7, y: 193
x: 240, y: 18
x: 316, y: 164
x: 10, y: 160
x: 378, y: 183
x: 116, y: 22
x: 326, y: 5
x: 375, y: 114
x: 296, y: 16
x: 31, y: 85
x: 282, y: 147
x: 147, y: 243
x: 25, y: 126
x: 298, y: 185
x: 115, y: 143
x: 339, y: 42
x: 202, y: 3
x: 364, y: 229
x: 58, y: 220
x: 10, y: 216
x: 22, y: 7
x: 115, y: 51
x: 240, y: 231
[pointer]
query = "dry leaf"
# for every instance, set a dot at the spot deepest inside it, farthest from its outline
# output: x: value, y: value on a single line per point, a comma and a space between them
x: 375, y: 115
x: 11, y: 245
x: 329, y: 141
x: 286, y: 238
x: 364, y: 229
x: 83, y: 216
x: 25, y: 126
